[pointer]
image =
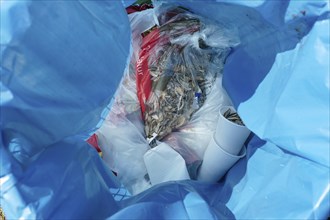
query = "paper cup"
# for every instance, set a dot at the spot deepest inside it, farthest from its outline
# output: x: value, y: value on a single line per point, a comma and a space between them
x: 217, y: 161
x: 229, y: 135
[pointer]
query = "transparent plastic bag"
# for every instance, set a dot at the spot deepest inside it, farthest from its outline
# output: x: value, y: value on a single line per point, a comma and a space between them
x: 122, y: 137
x: 178, y: 64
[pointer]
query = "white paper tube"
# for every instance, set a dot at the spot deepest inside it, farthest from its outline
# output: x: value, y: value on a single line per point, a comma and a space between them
x: 216, y: 162
x: 229, y: 135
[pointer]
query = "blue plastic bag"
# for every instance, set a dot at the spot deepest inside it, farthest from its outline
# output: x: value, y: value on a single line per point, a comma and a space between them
x: 61, y: 63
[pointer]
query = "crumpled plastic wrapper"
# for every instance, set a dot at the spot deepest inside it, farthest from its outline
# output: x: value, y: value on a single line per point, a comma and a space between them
x: 122, y: 136
x: 176, y: 70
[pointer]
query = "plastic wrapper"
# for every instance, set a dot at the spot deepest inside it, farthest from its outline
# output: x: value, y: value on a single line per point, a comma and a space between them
x: 124, y: 123
x: 178, y: 64
x: 189, y: 67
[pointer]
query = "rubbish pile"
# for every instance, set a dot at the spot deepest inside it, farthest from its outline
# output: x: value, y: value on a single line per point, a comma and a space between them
x: 169, y: 96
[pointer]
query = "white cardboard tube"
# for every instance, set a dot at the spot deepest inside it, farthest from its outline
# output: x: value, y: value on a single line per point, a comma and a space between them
x: 217, y: 161
x: 229, y: 135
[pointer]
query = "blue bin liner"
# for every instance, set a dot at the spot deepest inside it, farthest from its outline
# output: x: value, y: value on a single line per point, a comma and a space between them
x: 61, y: 62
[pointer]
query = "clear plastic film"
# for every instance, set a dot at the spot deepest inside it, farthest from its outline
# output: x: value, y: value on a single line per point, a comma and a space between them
x: 178, y: 64
x: 179, y: 70
x: 121, y: 137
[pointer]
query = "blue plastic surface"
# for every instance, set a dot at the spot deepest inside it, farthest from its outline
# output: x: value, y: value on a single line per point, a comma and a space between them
x: 61, y: 63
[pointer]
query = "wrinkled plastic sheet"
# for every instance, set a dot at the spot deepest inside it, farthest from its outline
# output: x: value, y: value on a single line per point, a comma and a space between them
x: 55, y: 85
x: 59, y: 71
x: 122, y: 136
